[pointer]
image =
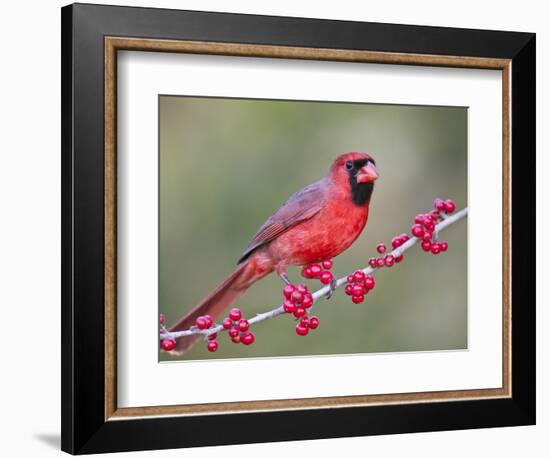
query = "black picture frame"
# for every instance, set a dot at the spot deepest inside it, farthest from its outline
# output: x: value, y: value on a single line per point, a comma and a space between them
x: 84, y: 427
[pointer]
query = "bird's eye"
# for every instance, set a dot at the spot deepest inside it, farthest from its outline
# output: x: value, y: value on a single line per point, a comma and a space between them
x: 349, y: 165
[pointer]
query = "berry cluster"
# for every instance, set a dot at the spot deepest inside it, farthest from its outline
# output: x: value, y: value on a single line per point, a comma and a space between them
x: 359, y: 285
x: 424, y: 226
x: 320, y: 271
x: 166, y: 344
x: 388, y: 260
x: 237, y: 328
x: 206, y: 322
x: 297, y: 301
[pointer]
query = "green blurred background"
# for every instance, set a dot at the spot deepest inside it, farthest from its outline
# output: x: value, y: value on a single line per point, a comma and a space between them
x: 227, y: 164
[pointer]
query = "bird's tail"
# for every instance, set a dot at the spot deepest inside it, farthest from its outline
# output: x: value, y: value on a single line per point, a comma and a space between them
x: 223, y: 296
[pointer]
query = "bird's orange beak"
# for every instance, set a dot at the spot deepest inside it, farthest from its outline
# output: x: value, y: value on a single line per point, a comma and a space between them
x: 367, y: 174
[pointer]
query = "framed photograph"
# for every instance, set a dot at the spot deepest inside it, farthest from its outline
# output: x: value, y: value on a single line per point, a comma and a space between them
x: 282, y: 228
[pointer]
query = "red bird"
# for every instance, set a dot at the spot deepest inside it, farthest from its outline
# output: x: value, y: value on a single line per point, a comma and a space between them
x: 318, y: 222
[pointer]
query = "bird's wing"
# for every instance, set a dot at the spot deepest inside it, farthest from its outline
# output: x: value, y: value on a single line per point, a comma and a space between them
x: 301, y: 206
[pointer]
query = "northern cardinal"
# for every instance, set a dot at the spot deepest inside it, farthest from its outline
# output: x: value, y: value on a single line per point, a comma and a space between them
x: 318, y: 222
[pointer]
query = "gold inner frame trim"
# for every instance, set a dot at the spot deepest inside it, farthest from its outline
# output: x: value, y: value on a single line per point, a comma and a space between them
x: 114, y: 44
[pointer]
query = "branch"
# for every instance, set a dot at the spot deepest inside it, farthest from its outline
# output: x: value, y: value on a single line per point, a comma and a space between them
x: 216, y: 328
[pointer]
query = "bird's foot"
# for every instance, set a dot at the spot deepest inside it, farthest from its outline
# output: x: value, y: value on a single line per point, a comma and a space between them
x: 332, y: 288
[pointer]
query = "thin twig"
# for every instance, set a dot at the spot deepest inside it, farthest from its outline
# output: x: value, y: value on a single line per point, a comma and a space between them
x: 447, y: 221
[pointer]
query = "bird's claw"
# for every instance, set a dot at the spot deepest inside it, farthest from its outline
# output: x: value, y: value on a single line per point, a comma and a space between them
x: 332, y: 288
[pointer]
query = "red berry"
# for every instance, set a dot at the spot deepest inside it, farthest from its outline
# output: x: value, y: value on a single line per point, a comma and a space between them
x: 389, y: 260
x: 417, y: 230
x: 444, y: 246
x: 419, y: 219
x: 302, y: 288
x: 162, y: 318
x: 301, y: 330
x: 296, y: 296
x: 236, y: 339
x: 381, y: 248
x: 372, y: 262
x: 289, y: 306
x: 227, y: 323
x: 349, y: 289
x: 212, y: 336
x: 399, y: 259
x: 404, y: 238
x: 304, y: 321
x: 247, y: 338
x: 436, y: 249
x: 369, y: 282
x: 357, y: 299
x: 427, y: 236
x: 307, y: 301
x: 299, y: 312
x: 315, y: 270
x: 235, y: 314
x: 307, y: 272
x: 359, y: 276
x: 287, y: 292
x: 209, y: 320
x: 380, y: 262
x: 357, y: 290
x: 168, y: 344
x: 201, y: 322
x: 233, y: 332
x: 439, y: 205
x: 396, y: 242
x: 429, y: 225
x: 426, y: 246
x: 326, y: 277
x: 435, y: 215
x: 313, y: 322
x: 327, y: 263
x: 450, y: 206
x: 212, y: 346
x: 243, y: 325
